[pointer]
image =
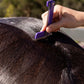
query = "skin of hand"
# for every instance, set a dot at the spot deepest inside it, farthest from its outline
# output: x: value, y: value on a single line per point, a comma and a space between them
x: 63, y: 17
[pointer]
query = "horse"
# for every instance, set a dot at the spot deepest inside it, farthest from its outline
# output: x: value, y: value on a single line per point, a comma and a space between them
x: 56, y: 59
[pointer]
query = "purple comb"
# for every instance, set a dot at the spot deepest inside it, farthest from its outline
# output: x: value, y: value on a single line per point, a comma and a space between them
x: 50, y: 4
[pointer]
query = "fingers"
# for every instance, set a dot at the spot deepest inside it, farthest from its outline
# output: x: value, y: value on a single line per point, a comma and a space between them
x: 58, y: 11
x: 43, y: 28
x: 44, y: 14
x: 44, y: 18
x: 54, y: 27
x: 57, y: 14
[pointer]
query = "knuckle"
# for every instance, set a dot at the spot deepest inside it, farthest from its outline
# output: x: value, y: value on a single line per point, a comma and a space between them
x: 58, y: 6
x: 42, y: 16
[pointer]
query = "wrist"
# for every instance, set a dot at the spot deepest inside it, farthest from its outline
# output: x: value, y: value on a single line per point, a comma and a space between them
x: 80, y: 18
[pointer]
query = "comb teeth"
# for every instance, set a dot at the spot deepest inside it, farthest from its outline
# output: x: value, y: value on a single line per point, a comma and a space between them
x: 39, y: 35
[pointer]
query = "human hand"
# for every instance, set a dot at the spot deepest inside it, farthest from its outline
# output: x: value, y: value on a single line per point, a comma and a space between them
x: 62, y: 17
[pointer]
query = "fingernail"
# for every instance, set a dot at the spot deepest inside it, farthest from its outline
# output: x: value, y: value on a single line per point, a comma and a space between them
x: 48, y: 29
x: 41, y: 29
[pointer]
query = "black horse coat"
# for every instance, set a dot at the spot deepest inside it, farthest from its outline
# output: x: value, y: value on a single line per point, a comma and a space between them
x: 56, y: 59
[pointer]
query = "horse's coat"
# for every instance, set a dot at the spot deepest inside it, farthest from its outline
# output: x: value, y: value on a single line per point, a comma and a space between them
x: 24, y: 60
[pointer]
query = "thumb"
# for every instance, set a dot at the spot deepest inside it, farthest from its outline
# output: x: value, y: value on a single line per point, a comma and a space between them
x: 54, y: 26
x: 43, y: 28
